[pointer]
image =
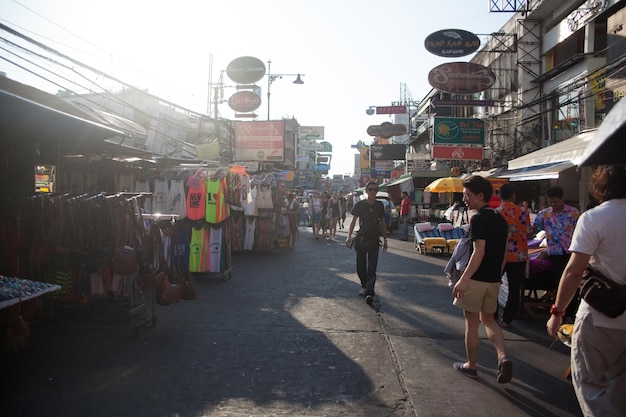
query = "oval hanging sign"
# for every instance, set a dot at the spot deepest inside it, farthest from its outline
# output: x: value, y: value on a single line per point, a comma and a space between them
x: 461, y: 77
x: 451, y: 43
x: 245, y: 70
x: 244, y: 101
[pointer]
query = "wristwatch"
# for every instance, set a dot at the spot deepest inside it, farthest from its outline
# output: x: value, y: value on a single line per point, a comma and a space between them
x: 556, y: 312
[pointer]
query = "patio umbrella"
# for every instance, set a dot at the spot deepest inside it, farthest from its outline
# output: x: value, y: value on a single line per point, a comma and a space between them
x: 445, y: 185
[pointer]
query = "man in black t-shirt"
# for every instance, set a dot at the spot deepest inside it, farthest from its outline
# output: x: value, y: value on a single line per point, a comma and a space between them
x: 477, y: 290
x: 371, y: 214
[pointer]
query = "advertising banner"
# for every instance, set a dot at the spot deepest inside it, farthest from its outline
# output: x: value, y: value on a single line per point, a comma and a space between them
x: 465, y: 153
x: 390, y: 109
x: 259, y: 141
x: 459, y: 131
x: 388, y: 152
x: 311, y: 133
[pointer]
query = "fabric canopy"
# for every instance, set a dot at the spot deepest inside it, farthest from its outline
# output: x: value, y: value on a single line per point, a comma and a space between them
x: 542, y: 172
x: 607, y: 145
x: 567, y: 150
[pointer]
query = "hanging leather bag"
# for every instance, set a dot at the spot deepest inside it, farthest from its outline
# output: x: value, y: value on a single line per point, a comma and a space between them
x: 171, y: 290
x: 124, y: 256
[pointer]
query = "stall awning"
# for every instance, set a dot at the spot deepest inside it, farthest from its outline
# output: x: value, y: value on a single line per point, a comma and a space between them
x: 402, y: 178
x: 566, y: 151
x: 541, y: 172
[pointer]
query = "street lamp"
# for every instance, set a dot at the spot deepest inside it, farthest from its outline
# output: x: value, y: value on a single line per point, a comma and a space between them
x: 272, y: 77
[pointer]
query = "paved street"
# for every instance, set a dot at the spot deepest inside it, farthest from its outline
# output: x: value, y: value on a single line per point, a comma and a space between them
x: 289, y: 336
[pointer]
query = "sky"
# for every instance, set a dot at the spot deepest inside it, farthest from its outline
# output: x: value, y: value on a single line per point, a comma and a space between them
x: 353, y: 53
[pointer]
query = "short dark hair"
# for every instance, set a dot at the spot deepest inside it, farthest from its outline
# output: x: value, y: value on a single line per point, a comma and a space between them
x: 371, y: 183
x: 405, y: 193
x: 555, y: 192
x: 477, y: 185
x: 507, y: 191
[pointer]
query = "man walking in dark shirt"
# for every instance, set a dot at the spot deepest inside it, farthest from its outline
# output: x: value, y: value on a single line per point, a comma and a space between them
x: 371, y: 215
x: 476, y: 292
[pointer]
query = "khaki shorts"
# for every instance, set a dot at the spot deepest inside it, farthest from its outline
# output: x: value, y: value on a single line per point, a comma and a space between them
x: 480, y: 297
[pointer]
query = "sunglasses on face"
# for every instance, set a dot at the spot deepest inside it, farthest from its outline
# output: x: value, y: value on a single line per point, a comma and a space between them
x: 372, y: 189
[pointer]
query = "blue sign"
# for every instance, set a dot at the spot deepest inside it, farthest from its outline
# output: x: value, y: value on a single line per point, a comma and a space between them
x: 321, y: 167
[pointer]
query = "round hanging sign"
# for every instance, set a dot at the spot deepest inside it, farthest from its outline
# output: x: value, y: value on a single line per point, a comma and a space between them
x: 452, y: 43
x: 244, y: 101
x: 245, y: 70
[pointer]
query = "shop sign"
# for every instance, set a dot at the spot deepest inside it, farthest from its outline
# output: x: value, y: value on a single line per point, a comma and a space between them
x: 461, y: 78
x: 259, y: 141
x: 465, y: 153
x: 457, y: 130
x: 245, y: 70
x: 310, y: 132
x: 451, y: 43
x: 387, y: 152
x: 244, y: 101
x: 390, y: 109
x: 386, y: 130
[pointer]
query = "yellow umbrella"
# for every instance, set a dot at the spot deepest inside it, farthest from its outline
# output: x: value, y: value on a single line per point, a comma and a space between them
x: 445, y: 185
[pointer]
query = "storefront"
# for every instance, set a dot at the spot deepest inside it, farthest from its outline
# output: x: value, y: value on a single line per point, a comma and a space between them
x: 553, y: 165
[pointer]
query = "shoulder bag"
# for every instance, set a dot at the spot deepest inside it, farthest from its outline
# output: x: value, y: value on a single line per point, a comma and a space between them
x: 602, y: 293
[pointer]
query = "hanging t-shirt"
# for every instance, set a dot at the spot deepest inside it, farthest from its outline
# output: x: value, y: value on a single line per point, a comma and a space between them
x: 216, y: 207
x: 196, y: 205
x: 143, y: 186
x: 215, y: 249
x: 248, y: 242
x: 246, y: 191
x: 176, y: 202
x: 250, y: 209
x: 264, y: 196
x: 161, y: 190
x: 198, y: 250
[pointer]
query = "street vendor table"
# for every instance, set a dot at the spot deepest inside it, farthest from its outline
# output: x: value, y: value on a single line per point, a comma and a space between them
x: 22, y: 289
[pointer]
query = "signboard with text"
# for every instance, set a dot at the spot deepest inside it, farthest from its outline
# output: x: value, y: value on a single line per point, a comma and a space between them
x: 387, y: 152
x: 459, y: 131
x: 465, y: 153
x: 259, y: 141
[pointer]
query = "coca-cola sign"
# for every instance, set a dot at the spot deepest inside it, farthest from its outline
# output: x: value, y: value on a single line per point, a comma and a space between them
x: 461, y: 77
x: 244, y: 101
x: 452, y: 43
x: 245, y: 70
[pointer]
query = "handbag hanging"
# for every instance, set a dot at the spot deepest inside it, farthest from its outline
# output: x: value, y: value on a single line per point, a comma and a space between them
x: 170, y: 292
x: 189, y: 290
x: 602, y: 293
x: 124, y: 256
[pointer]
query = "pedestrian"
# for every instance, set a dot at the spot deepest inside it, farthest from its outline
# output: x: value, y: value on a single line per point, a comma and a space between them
x: 334, y: 210
x: 476, y: 291
x: 315, y: 213
x: 293, y: 215
x: 598, y: 342
x: 516, y: 250
x: 558, y: 221
x: 370, y: 214
x: 342, y: 206
x: 325, y: 221
x: 349, y: 203
x: 405, y: 211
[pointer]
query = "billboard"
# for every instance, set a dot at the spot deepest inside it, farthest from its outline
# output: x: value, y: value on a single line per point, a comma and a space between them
x: 465, y: 153
x: 461, y: 77
x: 311, y: 133
x: 259, y: 141
x: 458, y: 131
x: 387, y: 152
